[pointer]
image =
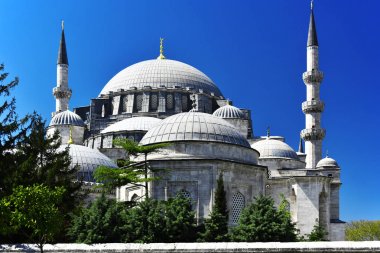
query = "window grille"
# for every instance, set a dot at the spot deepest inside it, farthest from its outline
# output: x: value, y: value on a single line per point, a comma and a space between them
x: 170, y: 101
x: 139, y: 99
x: 184, y: 194
x: 124, y: 104
x: 153, y: 102
x: 238, y: 203
x: 185, y: 104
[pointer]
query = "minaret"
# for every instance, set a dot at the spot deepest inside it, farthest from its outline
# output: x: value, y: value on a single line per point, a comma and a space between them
x: 313, y: 134
x: 62, y: 92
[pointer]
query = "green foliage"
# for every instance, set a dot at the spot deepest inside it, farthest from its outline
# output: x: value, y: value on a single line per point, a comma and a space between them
x: 363, y: 231
x: 216, y: 227
x: 41, y: 162
x: 13, y: 131
x: 34, y: 211
x: 100, y: 223
x: 317, y: 234
x: 159, y: 221
x: 131, y: 172
x: 261, y: 222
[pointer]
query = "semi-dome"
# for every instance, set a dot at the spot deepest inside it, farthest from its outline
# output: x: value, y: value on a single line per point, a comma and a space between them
x: 161, y: 73
x: 270, y: 148
x: 132, y: 124
x: 66, y: 118
x: 229, y: 112
x: 88, y: 160
x: 327, y: 162
x: 194, y: 126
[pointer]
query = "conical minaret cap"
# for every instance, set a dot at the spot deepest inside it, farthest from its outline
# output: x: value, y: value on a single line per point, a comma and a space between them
x: 312, y: 39
x: 62, y: 53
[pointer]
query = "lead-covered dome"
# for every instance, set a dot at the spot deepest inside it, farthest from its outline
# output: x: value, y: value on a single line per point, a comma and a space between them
x: 132, y: 124
x: 161, y: 73
x: 327, y: 162
x: 270, y: 148
x: 66, y: 118
x: 88, y: 160
x: 229, y: 112
x: 194, y: 126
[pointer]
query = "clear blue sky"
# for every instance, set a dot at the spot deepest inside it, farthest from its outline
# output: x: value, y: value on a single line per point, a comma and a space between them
x: 253, y: 50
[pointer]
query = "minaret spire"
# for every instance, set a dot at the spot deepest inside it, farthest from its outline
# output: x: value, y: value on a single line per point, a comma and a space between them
x: 313, y: 134
x: 62, y: 92
x: 62, y: 52
x: 312, y: 39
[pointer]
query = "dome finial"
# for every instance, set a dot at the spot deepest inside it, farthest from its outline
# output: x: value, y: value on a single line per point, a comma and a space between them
x: 70, y: 141
x: 268, y: 132
x: 63, y: 24
x: 161, y: 56
x: 311, y: 4
x: 327, y: 153
x: 228, y: 101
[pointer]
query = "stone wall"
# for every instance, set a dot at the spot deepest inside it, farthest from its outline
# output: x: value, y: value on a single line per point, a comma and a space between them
x: 315, y: 247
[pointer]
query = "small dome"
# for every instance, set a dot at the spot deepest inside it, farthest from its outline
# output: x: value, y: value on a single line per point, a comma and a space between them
x: 270, y: 148
x: 194, y: 126
x: 229, y: 112
x: 132, y: 124
x: 327, y: 162
x: 88, y: 159
x: 161, y: 74
x: 66, y: 118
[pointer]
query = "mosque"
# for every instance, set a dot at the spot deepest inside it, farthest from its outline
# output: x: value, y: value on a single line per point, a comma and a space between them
x: 168, y: 101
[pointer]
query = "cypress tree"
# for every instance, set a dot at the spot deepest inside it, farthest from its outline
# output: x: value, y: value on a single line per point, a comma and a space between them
x: 216, y: 227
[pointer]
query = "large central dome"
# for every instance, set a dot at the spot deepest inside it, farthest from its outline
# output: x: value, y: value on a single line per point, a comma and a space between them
x: 161, y: 73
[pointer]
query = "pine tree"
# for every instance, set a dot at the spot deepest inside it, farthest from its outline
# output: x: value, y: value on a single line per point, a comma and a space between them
x: 130, y: 172
x: 42, y: 161
x: 216, y: 227
x: 261, y: 222
x: 318, y: 233
x: 13, y: 131
x: 100, y: 223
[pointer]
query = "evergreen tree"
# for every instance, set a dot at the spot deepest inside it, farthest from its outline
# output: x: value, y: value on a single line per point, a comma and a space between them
x: 180, y: 225
x: 13, y: 131
x: 216, y: 227
x: 261, y: 222
x: 288, y: 231
x: 130, y: 172
x: 100, y: 223
x: 318, y: 233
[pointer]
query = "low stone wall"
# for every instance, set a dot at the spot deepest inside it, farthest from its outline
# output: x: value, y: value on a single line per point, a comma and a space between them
x: 336, y: 247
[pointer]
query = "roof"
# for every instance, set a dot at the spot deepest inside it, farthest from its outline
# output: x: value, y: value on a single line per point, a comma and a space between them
x: 270, y: 148
x: 62, y: 53
x: 161, y: 74
x: 327, y: 162
x: 229, y: 112
x: 66, y: 118
x: 88, y: 160
x: 312, y: 39
x: 132, y: 124
x: 194, y: 126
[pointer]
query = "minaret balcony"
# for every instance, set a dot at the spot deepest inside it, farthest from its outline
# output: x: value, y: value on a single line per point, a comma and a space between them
x: 58, y: 92
x: 314, y: 76
x: 313, y: 106
x: 313, y: 134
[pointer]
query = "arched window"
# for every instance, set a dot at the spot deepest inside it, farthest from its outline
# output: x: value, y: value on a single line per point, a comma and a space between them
x: 124, y: 104
x: 185, y: 102
x: 238, y: 203
x: 134, y: 197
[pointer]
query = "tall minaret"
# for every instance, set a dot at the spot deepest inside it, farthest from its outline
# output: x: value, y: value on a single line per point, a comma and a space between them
x: 313, y: 134
x: 62, y: 92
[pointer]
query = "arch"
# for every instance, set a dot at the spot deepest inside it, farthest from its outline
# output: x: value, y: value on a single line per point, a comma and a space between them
x: 237, y: 205
x: 134, y: 197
